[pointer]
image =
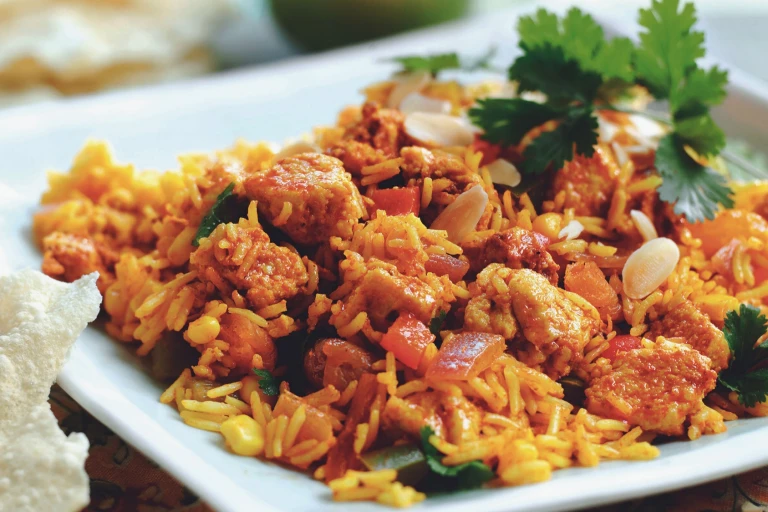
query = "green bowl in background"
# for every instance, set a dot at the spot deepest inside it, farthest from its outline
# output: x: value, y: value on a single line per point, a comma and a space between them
x: 322, y: 24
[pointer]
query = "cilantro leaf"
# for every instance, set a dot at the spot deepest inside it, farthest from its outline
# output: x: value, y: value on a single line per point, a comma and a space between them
x: 223, y: 210
x: 547, y: 69
x: 668, y: 48
x: 436, y: 324
x: 702, y: 134
x: 469, y: 475
x: 267, y: 382
x: 742, y: 330
x: 553, y: 148
x: 695, y: 190
x: 506, y: 121
x: 432, y: 63
x: 702, y: 89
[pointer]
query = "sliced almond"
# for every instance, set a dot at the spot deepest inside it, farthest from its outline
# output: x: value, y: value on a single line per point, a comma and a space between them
x: 647, y: 128
x: 571, y: 230
x: 460, y: 217
x: 439, y: 129
x: 416, y: 102
x: 408, y: 84
x: 504, y: 172
x: 644, y: 225
x: 649, y: 266
x: 296, y: 148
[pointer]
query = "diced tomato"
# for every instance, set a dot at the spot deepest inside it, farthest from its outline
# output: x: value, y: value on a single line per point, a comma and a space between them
x: 761, y: 274
x: 621, y: 343
x: 407, y: 338
x: 586, y: 279
x: 728, y: 224
x: 397, y: 201
x: 318, y: 424
x: 444, y: 265
x: 463, y: 356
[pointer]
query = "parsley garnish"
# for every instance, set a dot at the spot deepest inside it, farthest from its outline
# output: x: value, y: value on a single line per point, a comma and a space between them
x: 267, y: 382
x: 436, y: 324
x: 580, y: 72
x: 444, y: 61
x: 469, y: 475
x: 742, y: 331
x: 223, y: 210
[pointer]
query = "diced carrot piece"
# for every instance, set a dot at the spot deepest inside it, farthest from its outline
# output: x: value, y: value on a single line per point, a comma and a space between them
x: 444, y: 265
x: 397, y: 201
x: 318, y: 425
x: 463, y: 356
x: 586, y: 279
x: 407, y: 339
x: 728, y: 224
x: 621, y: 343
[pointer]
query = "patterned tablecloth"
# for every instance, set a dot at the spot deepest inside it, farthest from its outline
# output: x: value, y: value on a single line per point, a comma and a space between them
x: 123, y: 480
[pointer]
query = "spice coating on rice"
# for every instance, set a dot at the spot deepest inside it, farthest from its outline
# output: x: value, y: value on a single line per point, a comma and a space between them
x: 326, y: 319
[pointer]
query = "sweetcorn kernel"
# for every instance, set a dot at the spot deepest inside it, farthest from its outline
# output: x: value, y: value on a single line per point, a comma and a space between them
x: 243, y: 435
x: 203, y: 330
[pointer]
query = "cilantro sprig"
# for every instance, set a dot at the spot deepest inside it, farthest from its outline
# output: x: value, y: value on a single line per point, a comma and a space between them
x: 470, y: 475
x: 570, y: 60
x: 267, y: 382
x: 436, y: 323
x: 746, y: 374
x: 444, y: 61
x: 225, y: 209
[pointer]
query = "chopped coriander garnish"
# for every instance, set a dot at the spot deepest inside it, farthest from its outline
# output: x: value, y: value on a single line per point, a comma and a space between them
x: 470, y: 475
x: 223, y: 210
x: 743, y: 375
x: 580, y: 72
x: 267, y: 382
x: 436, y: 324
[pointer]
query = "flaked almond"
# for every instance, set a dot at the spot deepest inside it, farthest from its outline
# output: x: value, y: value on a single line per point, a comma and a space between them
x: 649, y: 266
x: 606, y: 130
x: 296, y: 148
x: 439, y: 129
x: 406, y: 84
x: 460, y: 217
x: 643, y: 225
x: 416, y: 102
x: 571, y: 230
x: 504, y: 172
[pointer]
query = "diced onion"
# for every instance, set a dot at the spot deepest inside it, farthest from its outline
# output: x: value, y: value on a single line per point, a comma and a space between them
x: 606, y: 130
x: 649, y: 266
x: 408, y: 84
x: 504, y: 172
x: 572, y: 230
x: 460, y: 217
x: 439, y: 129
x: 416, y: 102
x: 647, y: 128
x: 643, y: 225
x: 296, y: 148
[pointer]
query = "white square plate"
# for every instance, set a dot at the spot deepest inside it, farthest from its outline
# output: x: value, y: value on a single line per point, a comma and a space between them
x: 150, y: 126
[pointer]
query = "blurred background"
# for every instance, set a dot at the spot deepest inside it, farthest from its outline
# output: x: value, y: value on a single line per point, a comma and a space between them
x: 56, y: 48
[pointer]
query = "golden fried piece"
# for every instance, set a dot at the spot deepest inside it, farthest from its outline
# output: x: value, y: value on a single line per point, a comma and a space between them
x: 241, y: 257
x: 515, y: 248
x: 485, y: 315
x: 245, y: 340
x: 695, y: 329
x: 588, y: 183
x: 453, y: 418
x: 323, y: 200
x: 384, y: 291
x: 376, y: 137
x: 655, y: 388
x: 68, y: 257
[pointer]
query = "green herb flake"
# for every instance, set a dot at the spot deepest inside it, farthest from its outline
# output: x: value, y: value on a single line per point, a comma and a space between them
x: 437, y: 322
x: 267, y: 382
x: 223, y: 210
x: 743, y: 375
x: 470, y: 475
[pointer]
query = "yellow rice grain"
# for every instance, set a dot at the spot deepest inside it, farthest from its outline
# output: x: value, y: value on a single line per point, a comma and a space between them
x: 243, y: 407
x: 224, y: 390
x: 250, y: 315
x: 285, y: 214
x: 169, y: 394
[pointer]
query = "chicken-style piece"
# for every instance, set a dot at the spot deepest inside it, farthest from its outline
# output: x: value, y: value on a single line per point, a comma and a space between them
x: 695, y: 329
x: 550, y: 326
x: 383, y: 291
x: 657, y: 388
x: 336, y: 362
x: 323, y: 200
x: 419, y: 163
x: 586, y: 279
x: 69, y: 257
x: 453, y: 418
x: 378, y: 136
x: 588, y: 183
x: 245, y: 340
x: 515, y: 248
x: 241, y: 257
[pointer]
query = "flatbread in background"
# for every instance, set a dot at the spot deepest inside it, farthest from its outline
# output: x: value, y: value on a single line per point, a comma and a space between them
x: 40, y: 467
x: 55, y: 47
